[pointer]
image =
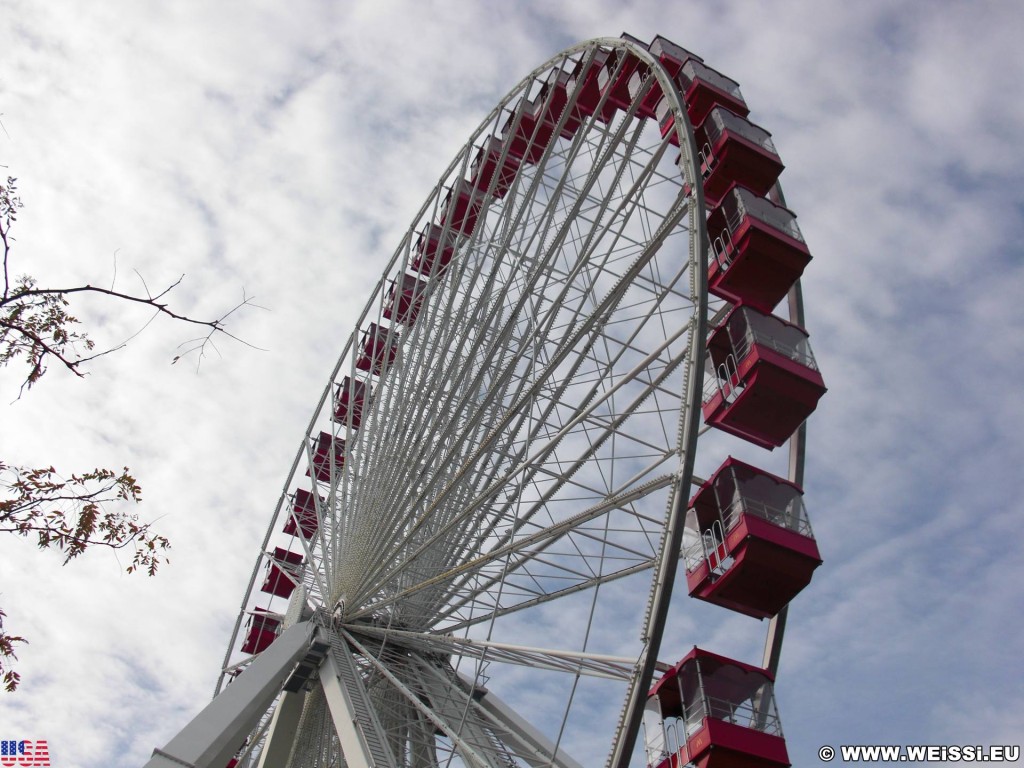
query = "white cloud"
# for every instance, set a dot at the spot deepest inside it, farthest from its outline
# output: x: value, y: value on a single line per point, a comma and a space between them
x: 286, y: 150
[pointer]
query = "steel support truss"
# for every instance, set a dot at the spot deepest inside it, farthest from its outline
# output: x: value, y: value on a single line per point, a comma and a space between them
x: 218, y: 732
x: 485, y: 731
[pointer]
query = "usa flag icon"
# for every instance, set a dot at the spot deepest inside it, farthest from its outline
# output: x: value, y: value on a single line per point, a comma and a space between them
x: 24, y: 753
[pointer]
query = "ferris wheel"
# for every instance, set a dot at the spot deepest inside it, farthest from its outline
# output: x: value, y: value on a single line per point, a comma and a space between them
x: 472, y: 559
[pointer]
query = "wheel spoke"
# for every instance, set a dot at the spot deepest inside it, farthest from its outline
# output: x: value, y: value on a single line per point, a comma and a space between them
x: 520, y: 448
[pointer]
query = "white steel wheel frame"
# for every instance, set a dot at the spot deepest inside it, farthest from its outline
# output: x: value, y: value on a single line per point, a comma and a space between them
x: 510, y: 510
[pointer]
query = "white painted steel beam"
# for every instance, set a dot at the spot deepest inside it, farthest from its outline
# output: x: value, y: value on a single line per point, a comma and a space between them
x: 216, y: 733
x: 362, y: 739
x: 525, y: 740
x: 453, y: 705
x: 476, y: 705
x: 281, y: 735
x: 574, y: 662
x: 465, y: 749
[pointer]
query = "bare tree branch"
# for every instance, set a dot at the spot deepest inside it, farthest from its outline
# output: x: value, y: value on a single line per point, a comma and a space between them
x: 9, y: 205
x: 93, y: 509
x: 34, y: 321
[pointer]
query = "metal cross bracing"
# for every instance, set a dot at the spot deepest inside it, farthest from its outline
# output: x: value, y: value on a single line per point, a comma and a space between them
x: 550, y: 393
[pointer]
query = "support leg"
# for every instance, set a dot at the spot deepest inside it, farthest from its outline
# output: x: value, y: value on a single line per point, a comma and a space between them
x: 216, y: 733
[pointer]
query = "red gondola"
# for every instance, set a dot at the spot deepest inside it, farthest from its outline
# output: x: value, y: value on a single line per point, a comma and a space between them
x: 735, y: 151
x: 353, y: 398
x: 261, y: 630
x: 486, y: 166
x: 462, y: 206
x: 405, y: 299
x: 282, y: 572
x: 614, y: 79
x: 303, y: 519
x: 713, y: 712
x: 379, y: 347
x: 672, y: 56
x: 434, y: 251
x: 763, y: 380
x: 585, y: 79
x: 757, y: 250
x: 328, y: 452
x: 705, y: 88
x: 525, y: 133
x: 647, y: 107
x: 750, y: 547
x: 702, y: 89
x: 551, y: 103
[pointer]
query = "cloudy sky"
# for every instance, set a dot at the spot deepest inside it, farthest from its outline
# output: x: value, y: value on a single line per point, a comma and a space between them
x: 282, y: 149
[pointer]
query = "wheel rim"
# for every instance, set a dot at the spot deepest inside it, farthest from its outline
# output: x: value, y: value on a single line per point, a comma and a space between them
x: 525, y: 456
